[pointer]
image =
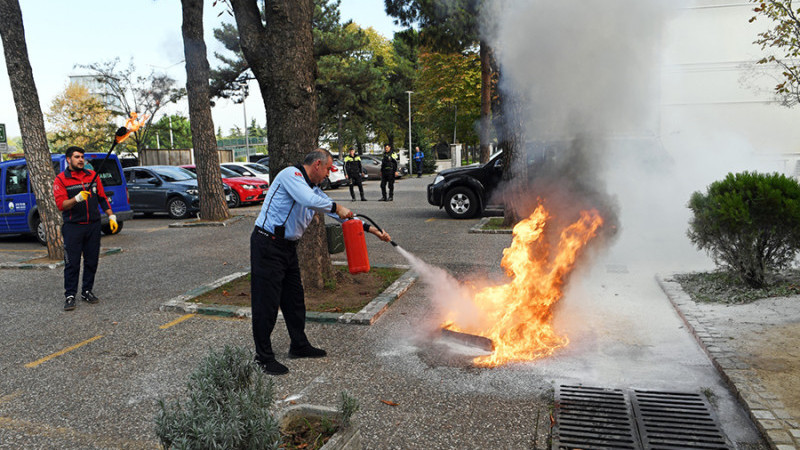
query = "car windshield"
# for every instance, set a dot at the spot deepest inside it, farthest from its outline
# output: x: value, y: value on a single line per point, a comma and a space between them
x: 172, y: 174
x: 228, y: 173
x: 257, y: 168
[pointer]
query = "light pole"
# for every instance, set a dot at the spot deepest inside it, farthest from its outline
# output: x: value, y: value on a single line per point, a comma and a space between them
x: 243, y: 85
x: 409, y: 129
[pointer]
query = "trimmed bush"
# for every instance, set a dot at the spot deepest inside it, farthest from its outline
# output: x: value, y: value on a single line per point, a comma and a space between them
x: 748, y: 223
x: 229, y: 406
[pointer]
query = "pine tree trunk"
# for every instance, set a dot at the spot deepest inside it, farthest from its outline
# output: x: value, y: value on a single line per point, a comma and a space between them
x: 31, y: 124
x: 486, y: 100
x: 281, y: 56
x: 213, y: 205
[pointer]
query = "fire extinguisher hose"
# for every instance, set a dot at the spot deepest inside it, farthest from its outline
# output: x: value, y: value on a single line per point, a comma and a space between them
x: 375, y: 225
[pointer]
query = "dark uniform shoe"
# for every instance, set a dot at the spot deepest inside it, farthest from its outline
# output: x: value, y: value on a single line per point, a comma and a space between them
x: 308, y: 351
x: 89, y: 297
x: 272, y: 367
x: 69, y: 303
x: 363, y: 199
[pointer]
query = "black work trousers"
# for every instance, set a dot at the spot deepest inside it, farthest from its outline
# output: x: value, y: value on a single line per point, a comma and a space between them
x: 387, y: 178
x: 80, y: 239
x: 275, y: 282
x: 356, y: 181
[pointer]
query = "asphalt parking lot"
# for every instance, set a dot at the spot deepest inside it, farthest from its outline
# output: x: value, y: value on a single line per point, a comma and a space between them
x: 91, y: 378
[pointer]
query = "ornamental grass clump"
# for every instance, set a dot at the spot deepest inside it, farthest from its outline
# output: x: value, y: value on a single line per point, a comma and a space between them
x: 749, y: 223
x: 229, y: 406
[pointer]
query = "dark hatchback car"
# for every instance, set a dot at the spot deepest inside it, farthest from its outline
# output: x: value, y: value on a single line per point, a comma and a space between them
x: 167, y: 189
x: 465, y: 191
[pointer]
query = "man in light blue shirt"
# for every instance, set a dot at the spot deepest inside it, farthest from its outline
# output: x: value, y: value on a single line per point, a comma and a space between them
x: 293, y: 199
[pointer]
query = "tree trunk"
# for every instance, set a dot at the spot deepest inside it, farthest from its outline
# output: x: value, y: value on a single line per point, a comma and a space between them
x: 486, y: 100
x: 31, y: 124
x: 212, y: 194
x: 281, y: 55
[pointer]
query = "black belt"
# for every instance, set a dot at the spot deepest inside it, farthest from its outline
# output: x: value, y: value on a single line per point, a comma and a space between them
x: 275, y: 238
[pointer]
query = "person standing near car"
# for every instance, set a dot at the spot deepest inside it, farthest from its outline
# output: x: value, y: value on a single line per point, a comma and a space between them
x: 388, y: 170
x: 293, y: 199
x: 352, y: 171
x: 418, y: 157
x: 81, y: 229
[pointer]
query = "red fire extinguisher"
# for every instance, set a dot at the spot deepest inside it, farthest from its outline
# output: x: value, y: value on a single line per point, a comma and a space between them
x: 355, y: 245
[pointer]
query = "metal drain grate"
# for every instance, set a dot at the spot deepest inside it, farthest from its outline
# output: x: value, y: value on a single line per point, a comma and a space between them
x: 593, y: 418
x: 597, y: 418
x: 674, y: 420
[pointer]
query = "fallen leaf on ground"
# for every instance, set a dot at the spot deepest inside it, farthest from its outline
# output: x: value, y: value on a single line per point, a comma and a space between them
x: 389, y: 402
x: 225, y: 293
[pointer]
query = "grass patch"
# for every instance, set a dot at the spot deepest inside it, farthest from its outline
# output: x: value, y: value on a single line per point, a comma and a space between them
x: 495, y: 223
x: 342, y: 293
x: 725, y: 287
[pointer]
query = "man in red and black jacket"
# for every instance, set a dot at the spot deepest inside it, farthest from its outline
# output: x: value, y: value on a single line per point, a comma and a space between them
x: 81, y: 227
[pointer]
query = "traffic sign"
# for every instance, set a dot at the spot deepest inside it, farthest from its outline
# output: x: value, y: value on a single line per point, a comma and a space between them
x: 2, y: 133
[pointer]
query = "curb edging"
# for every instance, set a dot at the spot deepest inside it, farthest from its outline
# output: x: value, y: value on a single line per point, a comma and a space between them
x: 197, y: 223
x: 777, y: 426
x: 367, y: 316
x: 22, y: 265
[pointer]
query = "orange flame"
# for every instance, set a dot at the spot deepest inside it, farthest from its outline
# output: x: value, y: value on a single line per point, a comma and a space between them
x: 131, y: 124
x: 517, y: 314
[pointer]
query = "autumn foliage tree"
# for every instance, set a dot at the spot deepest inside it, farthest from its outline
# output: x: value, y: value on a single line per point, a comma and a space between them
x: 78, y: 118
x: 783, y: 40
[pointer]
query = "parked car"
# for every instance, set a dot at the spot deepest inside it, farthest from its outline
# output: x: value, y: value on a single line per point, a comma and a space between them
x: 464, y: 191
x: 167, y: 189
x: 263, y: 161
x: 372, y: 164
x: 243, y: 189
x: 249, y: 170
x: 19, y: 213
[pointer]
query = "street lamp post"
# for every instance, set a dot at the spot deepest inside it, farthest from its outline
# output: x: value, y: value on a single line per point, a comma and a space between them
x: 243, y: 85
x: 409, y: 130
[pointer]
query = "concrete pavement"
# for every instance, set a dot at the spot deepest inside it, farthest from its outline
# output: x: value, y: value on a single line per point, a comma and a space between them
x: 103, y: 393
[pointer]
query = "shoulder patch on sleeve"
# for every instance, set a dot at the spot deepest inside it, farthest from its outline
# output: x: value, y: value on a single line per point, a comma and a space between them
x: 298, y: 174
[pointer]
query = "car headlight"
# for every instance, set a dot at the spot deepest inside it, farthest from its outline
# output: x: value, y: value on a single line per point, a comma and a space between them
x: 248, y: 186
x: 192, y: 191
x: 438, y: 179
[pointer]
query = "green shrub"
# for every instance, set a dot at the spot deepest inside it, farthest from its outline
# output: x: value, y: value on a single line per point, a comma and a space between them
x: 229, y: 406
x: 749, y: 223
x: 349, y: 405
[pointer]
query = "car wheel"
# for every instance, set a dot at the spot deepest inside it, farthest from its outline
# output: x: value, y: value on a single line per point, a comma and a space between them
x: 235, y: 200
x: 326, y: 184
x: 107, y: 228
x: 461, y: 203
x: 38, y: 227
x: 177, y: 208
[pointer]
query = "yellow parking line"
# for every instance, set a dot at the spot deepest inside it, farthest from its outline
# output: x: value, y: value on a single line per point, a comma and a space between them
x: 10, y: 396
x: 59, y: 353
x: 431, y: 219
x: 177, y: 321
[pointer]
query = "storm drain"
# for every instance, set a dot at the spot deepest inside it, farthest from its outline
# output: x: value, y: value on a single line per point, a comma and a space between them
x: 598, y: 418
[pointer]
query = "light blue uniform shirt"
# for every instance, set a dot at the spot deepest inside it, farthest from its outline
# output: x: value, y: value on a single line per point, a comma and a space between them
x: 292, y: 201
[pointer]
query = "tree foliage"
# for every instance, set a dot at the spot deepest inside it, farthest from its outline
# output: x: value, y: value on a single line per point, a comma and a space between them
x: 449, y: 87
x: 76, y: 117
x: 749, y: 223
x: 144, y: 95
x: 784, y: 41
x: 181, y: 132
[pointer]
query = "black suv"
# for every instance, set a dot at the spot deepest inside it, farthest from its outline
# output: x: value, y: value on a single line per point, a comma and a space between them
x: 465, y: 191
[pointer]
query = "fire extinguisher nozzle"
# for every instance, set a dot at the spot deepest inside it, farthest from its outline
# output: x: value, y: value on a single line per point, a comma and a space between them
x: 393, y: 243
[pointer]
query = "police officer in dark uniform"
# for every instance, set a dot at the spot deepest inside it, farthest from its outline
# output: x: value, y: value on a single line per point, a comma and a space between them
x: 81, y: 229
x: 352, y: 171
x: 293, y: 199
x: 388, y: 169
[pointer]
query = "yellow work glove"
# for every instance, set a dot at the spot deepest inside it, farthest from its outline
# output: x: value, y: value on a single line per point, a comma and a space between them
x: 112, y: 223
x: 82, y: 195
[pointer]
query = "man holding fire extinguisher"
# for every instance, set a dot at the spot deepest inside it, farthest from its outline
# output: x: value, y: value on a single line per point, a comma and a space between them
x: 293, y: 199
